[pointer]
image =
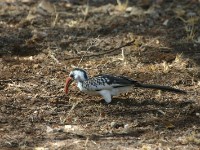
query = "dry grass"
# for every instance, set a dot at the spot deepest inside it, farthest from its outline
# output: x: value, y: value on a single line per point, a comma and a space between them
x: 190, y: 28
x: 85, y: 11
x: 122, y: 6
x: 35, y: 112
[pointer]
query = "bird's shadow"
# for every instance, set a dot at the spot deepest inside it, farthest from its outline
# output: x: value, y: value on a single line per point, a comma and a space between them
x: 144, y: 102
x: 133, y: 108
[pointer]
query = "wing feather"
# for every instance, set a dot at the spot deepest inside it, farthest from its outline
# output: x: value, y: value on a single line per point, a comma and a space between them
x: 108, y: 82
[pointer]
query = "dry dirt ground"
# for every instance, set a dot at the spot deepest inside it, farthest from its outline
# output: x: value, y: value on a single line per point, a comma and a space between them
x: 41, y: 41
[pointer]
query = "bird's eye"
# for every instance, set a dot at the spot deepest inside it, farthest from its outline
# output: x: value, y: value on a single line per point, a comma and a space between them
x: 71, y: 75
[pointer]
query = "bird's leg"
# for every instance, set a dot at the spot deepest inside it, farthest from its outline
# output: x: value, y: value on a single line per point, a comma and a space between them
x: 106, y: 95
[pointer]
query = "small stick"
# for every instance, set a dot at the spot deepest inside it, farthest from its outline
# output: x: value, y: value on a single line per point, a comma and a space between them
x: 103, y: 53
x: 12, y: 80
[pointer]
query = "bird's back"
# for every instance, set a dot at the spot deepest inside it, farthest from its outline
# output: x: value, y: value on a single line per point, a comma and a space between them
x: 107, y: 82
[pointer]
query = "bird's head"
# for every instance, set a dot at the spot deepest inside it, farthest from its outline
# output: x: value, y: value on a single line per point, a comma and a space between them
x: 77, y: 75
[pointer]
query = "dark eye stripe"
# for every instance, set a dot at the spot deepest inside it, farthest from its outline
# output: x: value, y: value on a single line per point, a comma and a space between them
x: 71, y: 75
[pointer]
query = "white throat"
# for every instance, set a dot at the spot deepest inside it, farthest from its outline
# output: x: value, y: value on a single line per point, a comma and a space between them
x: 80, y: 85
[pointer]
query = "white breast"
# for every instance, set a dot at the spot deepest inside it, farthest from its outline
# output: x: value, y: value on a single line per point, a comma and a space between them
x: 117, y: 91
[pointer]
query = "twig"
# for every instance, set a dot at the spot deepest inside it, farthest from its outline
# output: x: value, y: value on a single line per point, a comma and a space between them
x: 103, y: 53
x: 86, y: 142
x: 84, y: 55
x: 54, y: 58
x: 72, y: 108
x: 93, y: 43
x: 56, y: 17
x: 86, y: 11
x: 12, y: 80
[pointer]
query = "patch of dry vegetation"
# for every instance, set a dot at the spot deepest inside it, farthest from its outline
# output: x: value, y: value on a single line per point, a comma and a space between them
x: 42, y: 41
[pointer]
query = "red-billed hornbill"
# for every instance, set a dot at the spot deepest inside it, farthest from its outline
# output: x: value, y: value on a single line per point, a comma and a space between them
x: 108, y: 85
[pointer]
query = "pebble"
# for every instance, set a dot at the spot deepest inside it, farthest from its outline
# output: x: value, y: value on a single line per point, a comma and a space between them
x: 49, y: 129
x: 165, y: 23
x: 3, y: 109
x: 129, y: 9
x: 198, y: 40
x: 191, y: 14
x: 113, y: 124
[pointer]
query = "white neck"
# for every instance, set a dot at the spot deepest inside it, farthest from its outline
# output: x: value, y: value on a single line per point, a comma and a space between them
x: 80, y: 85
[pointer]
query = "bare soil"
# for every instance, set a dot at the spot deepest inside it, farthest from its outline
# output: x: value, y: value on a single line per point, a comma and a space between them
x: 42, y: 41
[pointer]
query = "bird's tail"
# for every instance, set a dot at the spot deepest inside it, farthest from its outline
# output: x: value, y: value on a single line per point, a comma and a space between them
x: 160, y: 87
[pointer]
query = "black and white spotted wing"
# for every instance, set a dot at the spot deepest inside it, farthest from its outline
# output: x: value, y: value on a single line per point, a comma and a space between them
x: 108, y: 82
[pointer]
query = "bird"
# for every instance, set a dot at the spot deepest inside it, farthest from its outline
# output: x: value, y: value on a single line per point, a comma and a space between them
x: 107, y: 85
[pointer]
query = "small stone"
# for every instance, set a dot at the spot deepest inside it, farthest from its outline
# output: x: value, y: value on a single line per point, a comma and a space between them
x: 3, y: 109
x: 113, y: 124
x: 41, y: 148
x: 165, y: 23
x: 49, y: 129
x: 35, y: 66
x: 126, y: 126
x: 198, y: 40
x: 129, y: 9
x: 116, y: 125
x: 191, y: 14
x: 182, y: 140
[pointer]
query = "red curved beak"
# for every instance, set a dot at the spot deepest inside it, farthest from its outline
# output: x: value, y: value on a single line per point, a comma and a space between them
x: 69, y: 80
